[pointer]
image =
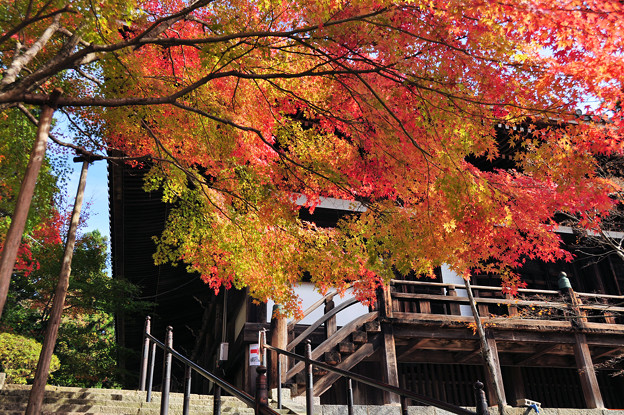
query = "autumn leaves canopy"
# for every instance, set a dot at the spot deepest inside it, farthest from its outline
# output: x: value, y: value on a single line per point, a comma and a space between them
x: 240, y: 107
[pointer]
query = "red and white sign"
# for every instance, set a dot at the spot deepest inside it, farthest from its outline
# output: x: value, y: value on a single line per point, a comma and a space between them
x: 254, y: 355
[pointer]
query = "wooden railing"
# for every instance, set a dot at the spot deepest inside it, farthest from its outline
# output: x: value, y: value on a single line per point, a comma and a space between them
x: 425, y: 297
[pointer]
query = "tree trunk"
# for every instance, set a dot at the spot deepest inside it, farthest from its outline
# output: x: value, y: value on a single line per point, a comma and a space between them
x: 24, y: 198
x: 35, y: 400
x: 486, y: 351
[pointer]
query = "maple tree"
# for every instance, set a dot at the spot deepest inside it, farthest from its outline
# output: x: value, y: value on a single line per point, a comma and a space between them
x: 243, y: 106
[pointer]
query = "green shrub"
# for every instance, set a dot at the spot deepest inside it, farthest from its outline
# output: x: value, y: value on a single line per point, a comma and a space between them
x: 19, y: 356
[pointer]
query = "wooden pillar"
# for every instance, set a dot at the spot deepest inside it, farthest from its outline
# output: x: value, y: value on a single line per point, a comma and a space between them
x: 330, y: 324
x: 517, y: 384
x: 390, y: 372
x: 279, y: 339
x: 498, y: 375
x: 589, y: 382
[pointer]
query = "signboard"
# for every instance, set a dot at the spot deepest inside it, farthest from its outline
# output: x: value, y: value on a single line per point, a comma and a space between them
x: 254, y: 355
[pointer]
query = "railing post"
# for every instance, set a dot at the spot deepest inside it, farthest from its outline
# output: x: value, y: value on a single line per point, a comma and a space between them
x: 166, y: 383
x: 404, y: 405
x: 216, y: 400
x: 187, y: 391
x: 579, y: 317
x: 146, y: 343
x: 453, y: 306
x: 330, y: 325
x: 309, y: 379
x: 262, y: 391
x: 150, y: 379
x: 279, y: 381
x: 480, y: 401
x: 349, y: 396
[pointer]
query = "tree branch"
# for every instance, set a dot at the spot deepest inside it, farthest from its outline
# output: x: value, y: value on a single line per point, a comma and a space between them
x: 20, y: 61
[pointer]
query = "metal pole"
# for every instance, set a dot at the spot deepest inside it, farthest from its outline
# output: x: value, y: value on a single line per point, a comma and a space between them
x: 150, y: 379
x: 144, y: 357
x: 279, y: 381
x: 350, y: 396
x: 309, y: 379
x: 404, y: 405
x: 216, y: 404
x: 262, y: 392
x: 187, y: 391
x: 166, y: 383
x: 480, y: 400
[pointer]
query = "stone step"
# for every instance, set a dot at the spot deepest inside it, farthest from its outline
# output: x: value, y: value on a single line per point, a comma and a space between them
x: 124, y: 396
x: 83, y: 401
x: 69, y: 398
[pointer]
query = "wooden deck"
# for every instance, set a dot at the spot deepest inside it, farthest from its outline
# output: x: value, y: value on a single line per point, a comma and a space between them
x: 426, y: 339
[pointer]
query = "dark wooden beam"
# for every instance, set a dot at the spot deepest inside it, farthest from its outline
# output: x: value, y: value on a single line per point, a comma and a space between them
x: 540, y: 352
x: 467, y: 357
x: 411, y: 349
x: 609, y: 352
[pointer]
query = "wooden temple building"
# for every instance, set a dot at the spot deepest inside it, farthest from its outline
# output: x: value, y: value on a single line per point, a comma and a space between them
x: 557, y: 342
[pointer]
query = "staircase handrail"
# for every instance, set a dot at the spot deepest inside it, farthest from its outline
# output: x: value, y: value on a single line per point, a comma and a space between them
x: 242, y: 395
x: 313, y: 307
x: 321, y: 320
x: 170, y: 352
x: 404, y: 393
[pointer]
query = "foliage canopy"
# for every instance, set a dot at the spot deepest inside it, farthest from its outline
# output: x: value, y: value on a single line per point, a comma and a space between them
x: 244, y: 106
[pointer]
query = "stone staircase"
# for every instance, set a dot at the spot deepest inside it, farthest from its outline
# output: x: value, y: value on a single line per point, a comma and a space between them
x: 80, y: 401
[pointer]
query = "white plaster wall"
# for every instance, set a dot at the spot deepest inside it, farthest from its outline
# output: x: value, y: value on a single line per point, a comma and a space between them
x: 450, y: 277
x: 309, y: 295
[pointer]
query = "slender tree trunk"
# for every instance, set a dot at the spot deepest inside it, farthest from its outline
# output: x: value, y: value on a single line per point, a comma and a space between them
x: 18, y: 220
x: 486, y: 351
x: 35, y: 400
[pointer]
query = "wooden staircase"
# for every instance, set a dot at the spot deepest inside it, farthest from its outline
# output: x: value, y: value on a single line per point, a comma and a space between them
x: 344, y: 349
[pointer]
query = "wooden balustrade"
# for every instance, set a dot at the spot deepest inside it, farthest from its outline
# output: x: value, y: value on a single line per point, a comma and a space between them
x: 528, y: 303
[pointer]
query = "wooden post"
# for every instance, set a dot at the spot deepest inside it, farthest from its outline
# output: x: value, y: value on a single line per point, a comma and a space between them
x: 609, y: 317
x: 512, y: 310
x: 262, y: 393
x: 385, y: 301
x: 498, y: 376
x: 279, y: 339
x: 453, y: 306
x: 589, y: 382
x: 330, y: 324
x: 35, y: 399
x: 491, y: 359
x: 577, y: 315
x: 24, y: 198
x: 390, y: 373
